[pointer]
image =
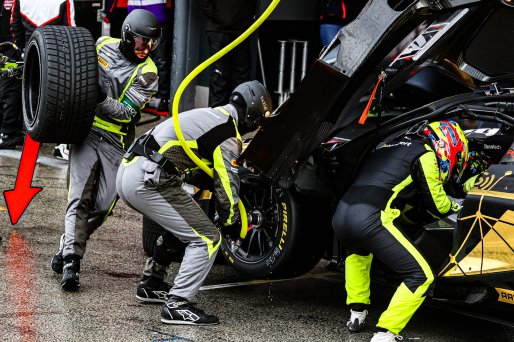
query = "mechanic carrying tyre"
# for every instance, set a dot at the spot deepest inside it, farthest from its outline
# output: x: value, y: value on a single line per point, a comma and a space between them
x: 409, y: 171
x: 149, y: 181
x: 127, y: 80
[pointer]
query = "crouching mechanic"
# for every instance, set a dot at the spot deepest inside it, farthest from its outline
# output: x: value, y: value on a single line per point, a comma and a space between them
x: 149, y: 181
x: 408, y: 171
x: 127, y: 79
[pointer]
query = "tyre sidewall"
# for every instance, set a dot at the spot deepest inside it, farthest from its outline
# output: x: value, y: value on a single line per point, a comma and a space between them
x: 34, y: 53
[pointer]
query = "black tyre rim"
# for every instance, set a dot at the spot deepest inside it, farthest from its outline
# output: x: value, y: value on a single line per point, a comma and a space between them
x: 263, y: 201
x: 32, y: 84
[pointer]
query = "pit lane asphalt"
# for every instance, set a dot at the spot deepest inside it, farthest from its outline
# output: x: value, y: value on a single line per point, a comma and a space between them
x: 34, y: 308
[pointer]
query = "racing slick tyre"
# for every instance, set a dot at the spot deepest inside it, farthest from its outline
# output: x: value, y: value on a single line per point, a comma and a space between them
x: 60, y: 84
x: 290, y: 236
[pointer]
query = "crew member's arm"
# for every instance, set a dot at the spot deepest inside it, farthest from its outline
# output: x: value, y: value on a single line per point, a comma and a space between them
x: 136, y: 96
x: 425, y: 173
x: 226, y: 180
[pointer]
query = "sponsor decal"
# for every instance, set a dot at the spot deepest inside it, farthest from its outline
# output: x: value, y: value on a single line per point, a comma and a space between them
x: 492, y: 147
x: 264, y: 104
x: 403, y: 143
x: 505, y: 296
x: 143, y: 81
x: 103, y: 62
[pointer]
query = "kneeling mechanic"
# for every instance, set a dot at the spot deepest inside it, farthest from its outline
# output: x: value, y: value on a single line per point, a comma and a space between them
x: 149, y: 181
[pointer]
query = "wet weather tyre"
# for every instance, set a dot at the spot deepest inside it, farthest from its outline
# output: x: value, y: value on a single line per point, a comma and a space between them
x: 290, y: 238
x: 60, y: 84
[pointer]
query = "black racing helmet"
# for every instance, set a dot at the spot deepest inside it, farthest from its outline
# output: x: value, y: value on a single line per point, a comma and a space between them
x: 255, y: 100
x: 140, y: 30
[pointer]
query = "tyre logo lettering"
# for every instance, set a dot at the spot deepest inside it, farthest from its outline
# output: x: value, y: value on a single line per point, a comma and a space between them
x: 284, y: 226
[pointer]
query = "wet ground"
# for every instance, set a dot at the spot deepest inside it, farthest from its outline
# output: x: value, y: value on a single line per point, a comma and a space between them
x: 34, y: 308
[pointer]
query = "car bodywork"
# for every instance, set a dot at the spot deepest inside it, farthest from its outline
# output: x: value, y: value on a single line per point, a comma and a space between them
x: 440, y: 60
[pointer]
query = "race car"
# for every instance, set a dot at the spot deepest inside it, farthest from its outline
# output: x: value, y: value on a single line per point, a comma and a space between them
x: 400, y: 63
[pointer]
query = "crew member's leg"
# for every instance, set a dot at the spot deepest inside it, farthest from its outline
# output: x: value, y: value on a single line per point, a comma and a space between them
x: 219, y: 74
x: 391, y: 246
x: 11, y: 122
x: 84, y: 165
x: 241, y: 64
x: 163, y: 200
x: 109, y: 157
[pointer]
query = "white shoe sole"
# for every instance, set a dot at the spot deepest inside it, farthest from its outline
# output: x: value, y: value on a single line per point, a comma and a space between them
x: 178, y: 322
x: 151, y: 300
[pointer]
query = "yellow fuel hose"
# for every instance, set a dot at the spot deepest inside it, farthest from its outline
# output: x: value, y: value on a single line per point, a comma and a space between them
x: 183, y: 85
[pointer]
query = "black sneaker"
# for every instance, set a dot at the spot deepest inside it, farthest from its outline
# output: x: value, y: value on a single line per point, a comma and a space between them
x: 180, y: 311
x: 152, y: 290
x: 8, y: 142
x: 71, y: 273
x: 57, y: 260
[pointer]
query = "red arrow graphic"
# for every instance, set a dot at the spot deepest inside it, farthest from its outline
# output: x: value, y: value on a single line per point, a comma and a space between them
x: 19, y: 198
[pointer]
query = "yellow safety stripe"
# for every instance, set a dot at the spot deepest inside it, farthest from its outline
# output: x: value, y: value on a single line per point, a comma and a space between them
x: 404, y: 302
x: 211, y: 248
x: 223, y: 110
x: 221, y: 171
x: 430, y: 168
x: 106, y: 40
x: 108, y: 126
x: 125, y: 162
x: 131, y: 79
x: 388, y: 216
x: 191, y: 143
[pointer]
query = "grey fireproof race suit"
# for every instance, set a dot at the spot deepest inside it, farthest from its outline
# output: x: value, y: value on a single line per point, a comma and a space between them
x: 95, y: 161
x: 212, y: 135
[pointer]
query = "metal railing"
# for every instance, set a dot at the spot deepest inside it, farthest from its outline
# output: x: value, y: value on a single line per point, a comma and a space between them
x: 291, y: 44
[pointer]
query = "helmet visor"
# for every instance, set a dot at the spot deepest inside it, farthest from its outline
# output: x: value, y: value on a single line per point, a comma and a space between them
x: 140, y: 43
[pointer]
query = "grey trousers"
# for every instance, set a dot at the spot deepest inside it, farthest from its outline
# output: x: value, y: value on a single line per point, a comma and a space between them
x: 144, y: 187
x: 92, y: 190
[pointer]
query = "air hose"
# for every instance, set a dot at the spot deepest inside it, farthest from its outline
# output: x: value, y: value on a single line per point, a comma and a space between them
x: 183, y: 85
